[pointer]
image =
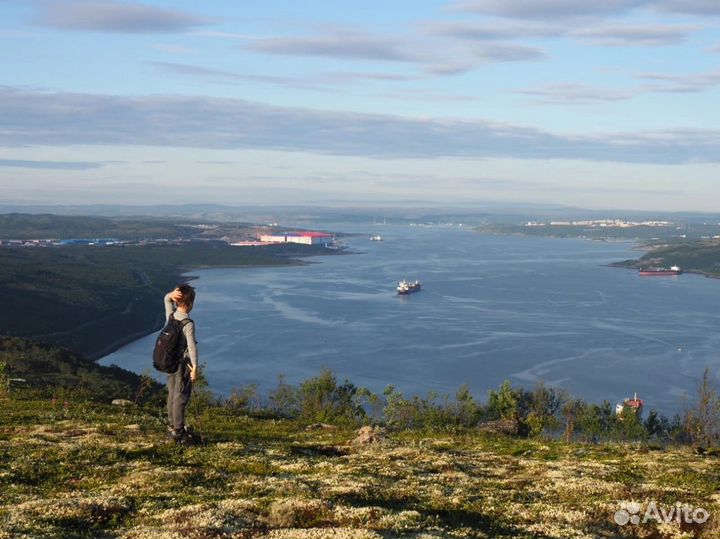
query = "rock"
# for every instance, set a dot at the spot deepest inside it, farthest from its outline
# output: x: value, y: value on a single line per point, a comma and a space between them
x: 509, y: 427
x: 122, y: 402
x: 370, y: 435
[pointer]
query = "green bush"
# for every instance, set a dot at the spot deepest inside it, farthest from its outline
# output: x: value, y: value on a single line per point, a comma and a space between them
x: 244, y: 399
x: 202, y: 398
x: 429, y: 413
x: 503, y: 404
x: 322, y: 399
x: 283, y: 400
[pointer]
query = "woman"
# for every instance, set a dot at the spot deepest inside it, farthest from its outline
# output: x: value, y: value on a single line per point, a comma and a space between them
x: 178, y: 304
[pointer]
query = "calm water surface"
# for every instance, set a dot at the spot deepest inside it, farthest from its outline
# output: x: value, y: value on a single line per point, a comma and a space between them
x: 491, y: 308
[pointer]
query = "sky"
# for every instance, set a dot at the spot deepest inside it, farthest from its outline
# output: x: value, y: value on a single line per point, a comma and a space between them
x: 611, y: 104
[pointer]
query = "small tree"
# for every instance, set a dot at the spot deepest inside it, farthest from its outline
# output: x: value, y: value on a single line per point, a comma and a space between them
x: 503, y: 403
x: 572, y: 409
x: 202, y: 397
x: 702, y: 421
x: 467, y: 412
x: 545, y: 406
x: 145, y: 385
x: 283, y: 400
x: 244, y: 399
x: 629, y: 426
x: 657, y: 426
x: 322, y: 399
x: 371, y: 403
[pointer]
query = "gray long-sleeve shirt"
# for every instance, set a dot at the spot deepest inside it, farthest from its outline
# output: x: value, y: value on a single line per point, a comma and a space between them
x: 189, y: 329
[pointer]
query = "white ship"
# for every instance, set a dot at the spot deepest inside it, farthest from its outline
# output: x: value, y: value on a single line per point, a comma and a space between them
x: 404, y: 287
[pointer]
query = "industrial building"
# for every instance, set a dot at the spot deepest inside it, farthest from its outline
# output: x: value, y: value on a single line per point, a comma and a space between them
x: 305, y: 238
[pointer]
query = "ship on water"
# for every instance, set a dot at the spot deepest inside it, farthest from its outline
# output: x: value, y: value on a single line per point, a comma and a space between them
x: 377, y: 237
x: 659, y: 272
x: 405, y: 287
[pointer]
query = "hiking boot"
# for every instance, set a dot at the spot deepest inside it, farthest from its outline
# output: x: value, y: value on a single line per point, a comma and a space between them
x: 186, y: 438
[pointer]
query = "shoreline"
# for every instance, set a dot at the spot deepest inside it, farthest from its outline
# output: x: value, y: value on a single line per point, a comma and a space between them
x: 95, y: 357
x: 701, y: 273
x: 186, y: 277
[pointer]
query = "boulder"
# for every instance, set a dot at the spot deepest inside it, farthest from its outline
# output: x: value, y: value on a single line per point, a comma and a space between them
x: 122, y: 402
x: 369, y: 435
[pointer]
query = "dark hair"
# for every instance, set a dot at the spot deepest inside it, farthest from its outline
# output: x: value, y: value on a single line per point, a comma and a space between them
x: 188, y: 295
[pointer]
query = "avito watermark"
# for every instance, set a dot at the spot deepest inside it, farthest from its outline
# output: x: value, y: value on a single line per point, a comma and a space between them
x: 633, y: 513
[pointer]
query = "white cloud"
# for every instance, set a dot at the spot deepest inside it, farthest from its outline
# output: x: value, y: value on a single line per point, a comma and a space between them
x: 61, y: 119
x: 681, y: 83
x: 576, y: 94
x: 344, y: 47
x: 492, y: 31
x: 113, y: 16
x: 545, y: 9
x: 635, y: 35
x: 691, y: 7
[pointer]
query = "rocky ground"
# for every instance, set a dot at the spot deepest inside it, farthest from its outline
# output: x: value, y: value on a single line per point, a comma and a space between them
x: 74, y: 469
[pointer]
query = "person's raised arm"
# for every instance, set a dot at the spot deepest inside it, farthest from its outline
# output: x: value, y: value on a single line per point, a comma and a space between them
x: 170, y: 299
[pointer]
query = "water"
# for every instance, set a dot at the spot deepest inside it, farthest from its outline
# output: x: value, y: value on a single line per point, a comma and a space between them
x: 491, y: 308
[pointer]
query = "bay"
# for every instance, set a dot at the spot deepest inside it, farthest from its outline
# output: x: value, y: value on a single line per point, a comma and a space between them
x: 492, y: 308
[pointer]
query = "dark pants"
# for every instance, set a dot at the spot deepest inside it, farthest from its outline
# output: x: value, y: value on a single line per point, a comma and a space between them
x: 179, y: 389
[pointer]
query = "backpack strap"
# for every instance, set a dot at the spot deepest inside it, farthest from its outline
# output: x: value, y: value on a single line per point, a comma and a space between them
x: 185, y: 321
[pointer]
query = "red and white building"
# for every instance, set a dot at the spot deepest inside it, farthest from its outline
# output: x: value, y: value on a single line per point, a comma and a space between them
x: 305, y: 238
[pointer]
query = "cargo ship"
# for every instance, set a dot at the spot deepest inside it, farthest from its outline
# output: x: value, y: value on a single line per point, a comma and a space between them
x: 651, y: 272
x: 404, y: 287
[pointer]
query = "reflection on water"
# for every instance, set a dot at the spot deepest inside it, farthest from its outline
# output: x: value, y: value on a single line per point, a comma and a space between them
x: 491, y: 308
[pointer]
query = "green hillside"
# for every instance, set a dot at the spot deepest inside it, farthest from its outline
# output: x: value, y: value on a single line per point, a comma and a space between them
x: 698, y: 257
x: 91, y: 299
x: 38, y: 226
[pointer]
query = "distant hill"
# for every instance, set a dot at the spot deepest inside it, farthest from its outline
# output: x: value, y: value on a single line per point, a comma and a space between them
x: 38, y: 226
x: 93, y: 299
x: 361, y: 211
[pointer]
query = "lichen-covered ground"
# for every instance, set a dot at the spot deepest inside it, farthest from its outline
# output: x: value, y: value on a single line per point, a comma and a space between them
x: 87, y: 470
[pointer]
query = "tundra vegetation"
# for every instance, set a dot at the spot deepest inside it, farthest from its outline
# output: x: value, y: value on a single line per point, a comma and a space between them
x: 288, y: 464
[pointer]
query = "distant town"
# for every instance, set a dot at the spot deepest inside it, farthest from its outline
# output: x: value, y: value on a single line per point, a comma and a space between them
x: 600, y: 223
x: 301, y: 237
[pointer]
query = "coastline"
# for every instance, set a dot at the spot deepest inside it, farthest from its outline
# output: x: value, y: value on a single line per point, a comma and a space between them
x: 122, y: 341
x: 620, y: 265
x: 186, y: 277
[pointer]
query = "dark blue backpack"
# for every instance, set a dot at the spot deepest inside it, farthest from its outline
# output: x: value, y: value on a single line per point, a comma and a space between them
x: 170, y: 345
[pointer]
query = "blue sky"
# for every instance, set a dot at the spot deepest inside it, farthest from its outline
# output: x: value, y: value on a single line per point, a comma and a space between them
x: 600, y: 105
